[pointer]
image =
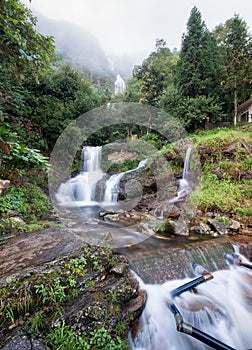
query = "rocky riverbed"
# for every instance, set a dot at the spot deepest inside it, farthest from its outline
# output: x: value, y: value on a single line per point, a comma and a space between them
x: 55, y: 276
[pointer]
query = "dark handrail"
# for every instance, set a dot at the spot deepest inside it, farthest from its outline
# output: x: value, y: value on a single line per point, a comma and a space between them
x: 186, y: 327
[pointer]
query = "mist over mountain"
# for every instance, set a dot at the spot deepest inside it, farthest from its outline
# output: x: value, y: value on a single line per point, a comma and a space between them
x: 83, y: 50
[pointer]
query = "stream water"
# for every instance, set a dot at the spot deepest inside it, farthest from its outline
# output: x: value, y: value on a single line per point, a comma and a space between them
x: 221, y: 308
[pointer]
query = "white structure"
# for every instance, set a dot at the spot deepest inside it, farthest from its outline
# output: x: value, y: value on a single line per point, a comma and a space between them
x: 120, y: 85
x: 245, y: 111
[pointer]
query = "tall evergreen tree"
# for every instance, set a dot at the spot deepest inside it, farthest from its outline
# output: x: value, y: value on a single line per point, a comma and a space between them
x: 236, y: 47
x: 198, y: 66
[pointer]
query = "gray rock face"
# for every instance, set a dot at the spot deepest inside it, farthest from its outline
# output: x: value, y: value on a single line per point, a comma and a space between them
x: 21, y: 341
x: 103, y: 292
x: 217, y: 226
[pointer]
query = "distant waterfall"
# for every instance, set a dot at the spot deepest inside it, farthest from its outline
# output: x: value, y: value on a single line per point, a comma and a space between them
x: 119, y: 85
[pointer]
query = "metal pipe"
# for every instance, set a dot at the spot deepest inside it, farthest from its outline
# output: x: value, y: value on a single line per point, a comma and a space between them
x: 195, y: 332
x: 235, y: 259
x: 190, y: 285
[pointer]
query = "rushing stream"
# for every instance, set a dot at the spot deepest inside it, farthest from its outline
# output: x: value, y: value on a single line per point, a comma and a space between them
x: 217, y: 312
x: 212, y: 310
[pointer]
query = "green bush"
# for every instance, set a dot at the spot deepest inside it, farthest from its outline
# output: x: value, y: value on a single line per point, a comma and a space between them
x: 219, y: 195
x: 128, y: 164
x: 27, y: 200
x: 64, y: 338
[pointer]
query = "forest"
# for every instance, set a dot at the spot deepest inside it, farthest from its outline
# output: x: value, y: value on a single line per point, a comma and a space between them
x: 58, y: 290
x: 41, y: 93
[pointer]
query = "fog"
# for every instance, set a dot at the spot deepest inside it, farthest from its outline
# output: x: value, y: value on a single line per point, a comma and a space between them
x: 125, y: 31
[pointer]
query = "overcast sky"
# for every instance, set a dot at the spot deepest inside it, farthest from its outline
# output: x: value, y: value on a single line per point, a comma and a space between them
x: 132, y: 26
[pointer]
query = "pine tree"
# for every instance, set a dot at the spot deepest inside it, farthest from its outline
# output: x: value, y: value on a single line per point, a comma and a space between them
x: 198, y: 69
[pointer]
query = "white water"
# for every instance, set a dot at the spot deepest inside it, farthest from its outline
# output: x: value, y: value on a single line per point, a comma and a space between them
x: 187, y: 163
x: 112, y: 185
x: 222, y: 308
x: 120, y: 85
x: 80, y: 190
x: 184, y: 188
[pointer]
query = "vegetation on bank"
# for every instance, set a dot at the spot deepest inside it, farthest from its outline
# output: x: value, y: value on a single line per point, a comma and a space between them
x: 39, y: 301
x: 226, y: 181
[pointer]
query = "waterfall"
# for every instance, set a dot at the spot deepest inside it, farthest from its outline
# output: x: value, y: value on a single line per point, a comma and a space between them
x: 219, y: 309
x: 82, y: 190
x: 91, y: 159
x: 186, y: 163
x: 112, y: 188
x: 112, y: 185
x: 119, y: 84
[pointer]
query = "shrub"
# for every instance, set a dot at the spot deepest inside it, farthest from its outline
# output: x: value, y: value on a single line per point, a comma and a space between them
x: 219, y: 195
x: 27, y: 200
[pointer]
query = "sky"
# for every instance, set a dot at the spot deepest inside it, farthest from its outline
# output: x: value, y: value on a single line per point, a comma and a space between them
x: 131, y: 27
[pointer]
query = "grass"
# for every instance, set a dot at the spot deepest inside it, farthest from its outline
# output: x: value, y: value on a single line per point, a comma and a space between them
x: 226, y: 176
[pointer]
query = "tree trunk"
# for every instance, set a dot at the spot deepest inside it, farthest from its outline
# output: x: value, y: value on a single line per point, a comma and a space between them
x: 235, y: 100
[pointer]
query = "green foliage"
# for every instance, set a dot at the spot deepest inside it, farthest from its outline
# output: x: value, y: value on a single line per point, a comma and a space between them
x: 52, y: 294
x: 163, y: 226
x: 219, y: 195
x: 154, y: 139
x: 198, y: 67
x: 21, y: 159
x: 64, y: 338
x: 126, y: 165
x: 60, y: 97
x: 27, y: 200
x: 21, y: 45
x: 76, y: 268
x: 235, y: 43
x: 12, y: 306
x: 38, y: 322
x: 154, y: 75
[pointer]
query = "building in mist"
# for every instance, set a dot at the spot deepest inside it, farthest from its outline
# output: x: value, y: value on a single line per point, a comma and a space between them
x: 120, y: 85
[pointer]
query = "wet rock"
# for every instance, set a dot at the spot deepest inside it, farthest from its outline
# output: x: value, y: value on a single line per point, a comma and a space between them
x: 234, y: 226
x: 139, y: 302
x: 149, y: 226
x: 202, y: 229
x: 232, y: 149
x: 177, y: 228
x: 217, y: 226
x: 22, y: 341
x: 112, y: 217
x: 105, y: 286
x: 120, y: 269
x: 181, y: 229
x: 18, y: 220
x: 12, y: 212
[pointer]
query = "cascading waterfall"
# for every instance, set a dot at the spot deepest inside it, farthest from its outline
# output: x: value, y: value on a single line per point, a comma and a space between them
x: 221, y: 308
x: 112, y: 185
x: 186, y: 163
x: 81, y: 190
x: 184, y: 188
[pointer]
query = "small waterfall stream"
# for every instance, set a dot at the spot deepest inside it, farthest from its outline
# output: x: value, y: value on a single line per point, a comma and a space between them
x: 221, y: 308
